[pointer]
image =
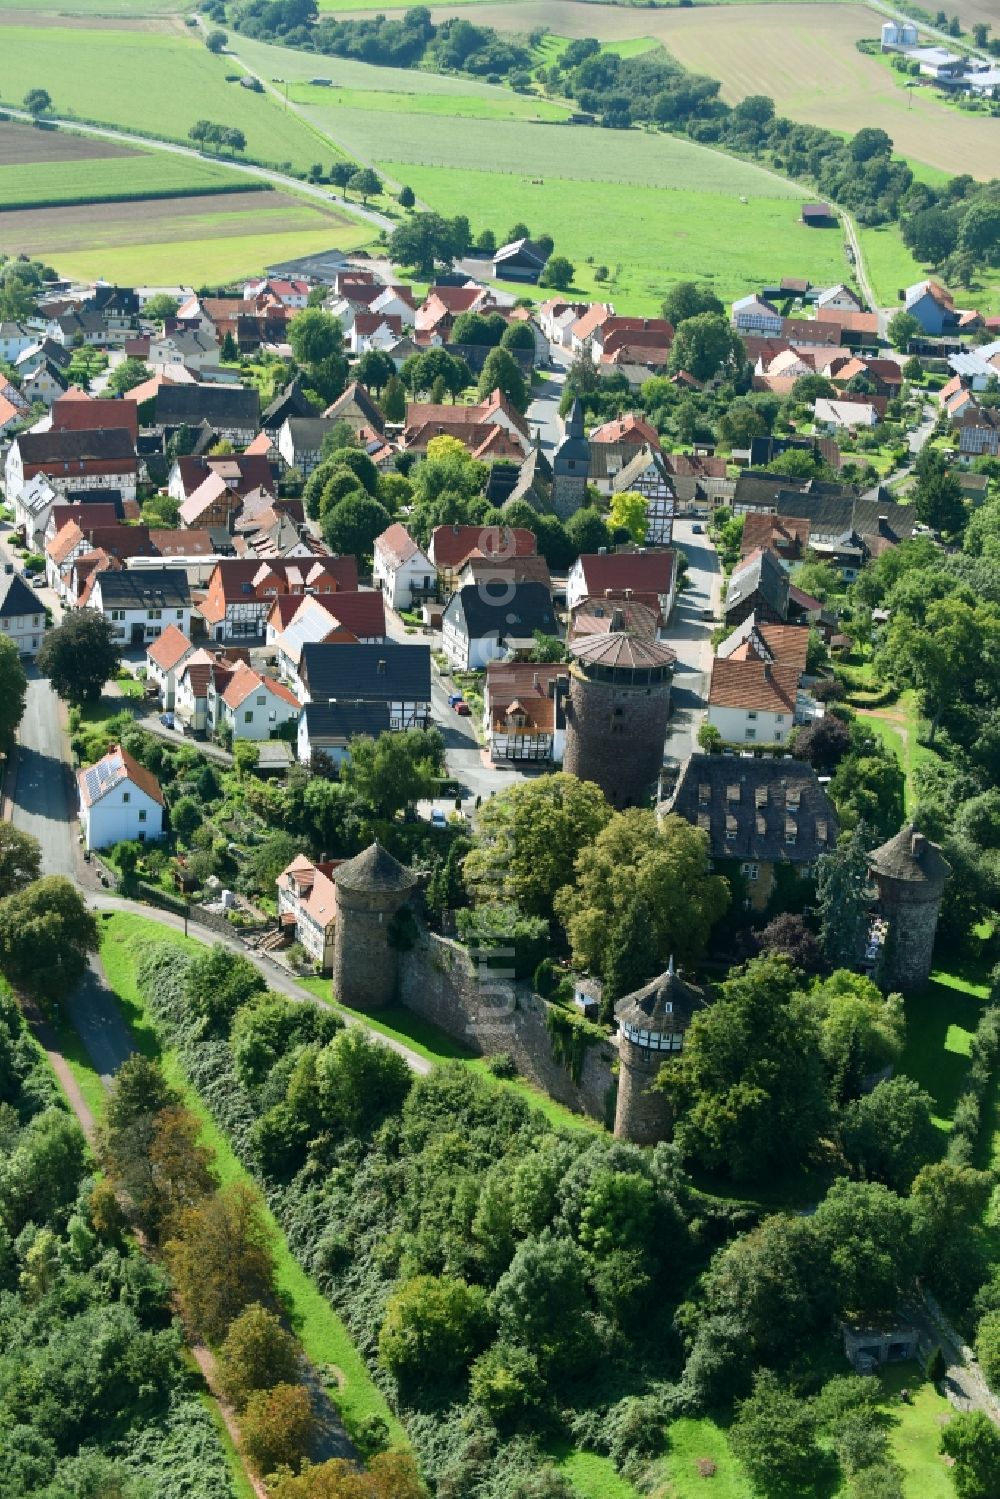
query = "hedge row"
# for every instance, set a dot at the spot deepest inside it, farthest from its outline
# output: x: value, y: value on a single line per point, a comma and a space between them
x: 207, y: 190
x: 984, y: 1054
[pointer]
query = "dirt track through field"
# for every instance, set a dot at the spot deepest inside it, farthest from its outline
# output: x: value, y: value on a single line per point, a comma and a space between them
x: 152, y: 221
x: 22, y: 144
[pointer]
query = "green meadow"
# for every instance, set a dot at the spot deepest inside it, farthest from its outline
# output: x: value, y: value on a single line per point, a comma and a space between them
x: 506, y: 106
x: 891, y: 267
x: 106, y: 178
x: 647, y: 239
x: 151, y: 82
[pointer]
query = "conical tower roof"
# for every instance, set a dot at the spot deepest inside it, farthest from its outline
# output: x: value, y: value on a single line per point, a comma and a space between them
x: 664, y: 1005
x: 374, y: 871
x: 912, y: 857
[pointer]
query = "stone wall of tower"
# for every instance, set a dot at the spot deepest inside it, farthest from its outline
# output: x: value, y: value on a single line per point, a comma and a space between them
x: 641, y: 1116
x: 625, y: 765
x: 365, y: 964
x: 568, y: 494
x: 912, y: 912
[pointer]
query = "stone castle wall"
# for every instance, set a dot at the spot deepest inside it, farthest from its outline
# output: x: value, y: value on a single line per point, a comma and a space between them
x: 439, y: 981
x: 912, y: 928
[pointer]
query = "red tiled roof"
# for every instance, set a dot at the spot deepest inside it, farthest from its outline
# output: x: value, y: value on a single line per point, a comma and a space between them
x: 171, y: 648
x: 450, y: 545
x: 631, y: 428
x: 642, y: 572
x: 246, y: 680
x: 396, y: 543
x: 118, y: 765
x: 753, y: 684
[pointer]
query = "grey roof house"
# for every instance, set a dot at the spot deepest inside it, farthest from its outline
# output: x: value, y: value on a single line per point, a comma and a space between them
x: 491, y: 619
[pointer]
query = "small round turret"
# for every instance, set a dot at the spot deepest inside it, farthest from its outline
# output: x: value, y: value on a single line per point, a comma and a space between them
x: 911, y: 873
x: 651, y: 1026
x: 371, y: 888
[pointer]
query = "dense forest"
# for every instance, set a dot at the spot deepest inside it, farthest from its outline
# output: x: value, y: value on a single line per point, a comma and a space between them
x: 95, y: 1400
x: 515, y: 1287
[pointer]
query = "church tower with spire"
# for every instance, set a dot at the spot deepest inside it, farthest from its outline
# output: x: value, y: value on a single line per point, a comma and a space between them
x: 571, y: 464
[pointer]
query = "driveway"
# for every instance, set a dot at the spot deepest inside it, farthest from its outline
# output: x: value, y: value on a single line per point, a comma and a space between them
x: 690, y: 635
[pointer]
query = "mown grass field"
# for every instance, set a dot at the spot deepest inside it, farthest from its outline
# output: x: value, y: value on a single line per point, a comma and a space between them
x: 324, y: 1337
x: 505, y: 106
x: 157, y: 82
x: 647, y: 239
x: 125, y: 176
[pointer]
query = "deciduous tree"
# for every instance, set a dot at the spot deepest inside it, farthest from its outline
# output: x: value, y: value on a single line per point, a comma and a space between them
x: 220, y: 1259
x: 433, y: 1326
x: 528, y: 837
x: 257, y: 1353
x: 278, y: 1426
x: 20, y: 859
x: 663, y: 862
x: 46, y: 934
x: 79, y: 656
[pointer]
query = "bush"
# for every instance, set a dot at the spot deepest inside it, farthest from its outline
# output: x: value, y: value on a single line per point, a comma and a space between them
x: 503, y: 937
x: 433, y: 1325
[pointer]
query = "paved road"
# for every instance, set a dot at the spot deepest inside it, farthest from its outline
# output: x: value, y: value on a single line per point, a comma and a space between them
x: 690, y: 635
x: 543, y: 413
x: 42, y: 778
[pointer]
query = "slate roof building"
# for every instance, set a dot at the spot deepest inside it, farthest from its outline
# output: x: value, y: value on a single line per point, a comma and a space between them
x: 489, y: 620
x: 758, y: 814
x: 758, y: 585
x: 571, y: 464
x: 399, y: 675
x: 22, y: 614
x: 521, y: 260
x: 233, y: 412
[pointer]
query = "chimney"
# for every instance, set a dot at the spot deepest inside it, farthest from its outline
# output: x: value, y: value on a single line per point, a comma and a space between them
x: 602, y: 551
x: 918, y: 845
x: 609, y: 593
x: 628, y: 593
x: 883, y: 526
x: 617, y: 621
x: 381, y: 668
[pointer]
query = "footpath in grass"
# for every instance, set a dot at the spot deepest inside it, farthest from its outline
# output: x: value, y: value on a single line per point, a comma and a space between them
x: 324, y: 1337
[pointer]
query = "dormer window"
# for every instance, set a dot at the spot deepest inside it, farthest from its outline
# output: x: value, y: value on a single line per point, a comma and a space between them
x: 760, y: 796
x: 704, y: 794
x: 732, y: 827
x: 732, y: 793
x: 791, y: 831
x: 792, y: 798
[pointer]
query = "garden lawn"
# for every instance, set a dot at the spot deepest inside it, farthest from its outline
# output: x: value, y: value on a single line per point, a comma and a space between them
x: 324, y: 1337
x: 434, y: 1044
x: 940, y: 1023
x: 152, y: 82
x: 647, y: 239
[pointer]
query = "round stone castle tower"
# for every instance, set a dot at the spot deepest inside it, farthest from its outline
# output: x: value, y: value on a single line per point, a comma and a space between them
x: 651, y: 1026
x: 371, y: 888
x: 911, y: 873
x: 616, y: 715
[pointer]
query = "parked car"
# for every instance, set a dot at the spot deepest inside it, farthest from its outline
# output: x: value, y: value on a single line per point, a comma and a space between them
x: 462, y: 708
x: 453, y: 698
x: 167, y: 720
x: 697, y: 529
x: 438, y: 819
